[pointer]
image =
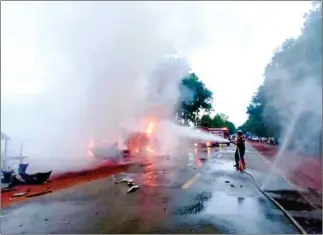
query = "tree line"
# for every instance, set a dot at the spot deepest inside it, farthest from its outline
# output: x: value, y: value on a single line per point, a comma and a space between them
x: 289, y: 101
x: 199, y: 101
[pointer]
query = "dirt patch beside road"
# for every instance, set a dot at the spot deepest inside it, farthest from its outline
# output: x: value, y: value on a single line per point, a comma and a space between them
x: 306, y: 171
x: 60, y: 182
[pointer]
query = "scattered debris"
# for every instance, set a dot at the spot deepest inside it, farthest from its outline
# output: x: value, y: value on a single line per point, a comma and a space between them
x: 38, y: 178
x: 7, y: 189
x: 23, y: 178
x: 39, y: 193
x: 241, y: 186
x: 232, y: 186
x: 20, y: 225
x: 66, y: 222
x: 133, y: 188
x: 2, y: 217
x: 6, y: 176
x: 46, y: 219
x: 19, y: 194
x: 227, y: 181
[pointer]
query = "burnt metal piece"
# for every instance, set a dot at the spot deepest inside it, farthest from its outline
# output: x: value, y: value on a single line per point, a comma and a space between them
x: 39, y: 193
x: 6, y: 176
x: 133, y: 188
x: 38, y: 178
x: 21, y: 194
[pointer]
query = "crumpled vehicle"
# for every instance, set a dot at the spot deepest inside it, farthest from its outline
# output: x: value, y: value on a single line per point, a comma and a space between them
x: 135, y: 143
x: 23, y: 178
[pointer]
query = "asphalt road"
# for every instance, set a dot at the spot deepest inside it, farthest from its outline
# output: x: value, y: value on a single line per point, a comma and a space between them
x: 196, y: 192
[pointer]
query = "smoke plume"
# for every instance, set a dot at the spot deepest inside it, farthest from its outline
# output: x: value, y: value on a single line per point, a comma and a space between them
x: 89, y: 67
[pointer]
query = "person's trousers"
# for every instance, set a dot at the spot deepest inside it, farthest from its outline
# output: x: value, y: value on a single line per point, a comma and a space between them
x: 237, y: 158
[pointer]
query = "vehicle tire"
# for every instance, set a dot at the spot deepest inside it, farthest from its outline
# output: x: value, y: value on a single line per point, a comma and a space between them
x: 228, y: 144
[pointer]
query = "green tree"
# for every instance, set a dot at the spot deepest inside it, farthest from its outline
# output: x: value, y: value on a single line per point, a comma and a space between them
x: 218, y: 121
x: 205, y: 121
x: 297, y: 62
x: 231, y: 127
x: 195, y: 97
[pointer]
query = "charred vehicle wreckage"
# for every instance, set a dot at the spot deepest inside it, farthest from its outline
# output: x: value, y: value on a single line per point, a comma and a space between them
x: 10, y: 177
x: 134, y: 144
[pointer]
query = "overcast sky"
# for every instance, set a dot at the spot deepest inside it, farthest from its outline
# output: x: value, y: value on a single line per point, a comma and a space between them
x: 234, y: 42
x: 233, y: 61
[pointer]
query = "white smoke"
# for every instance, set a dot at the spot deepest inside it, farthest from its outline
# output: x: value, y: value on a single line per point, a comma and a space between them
x: 91, y: 66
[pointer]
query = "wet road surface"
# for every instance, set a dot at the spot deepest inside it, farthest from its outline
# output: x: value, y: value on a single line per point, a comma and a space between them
x: 196, y: 192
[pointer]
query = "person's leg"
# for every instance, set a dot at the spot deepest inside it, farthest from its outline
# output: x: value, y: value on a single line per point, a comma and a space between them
x: 236, y: 156
x: 242, y: 159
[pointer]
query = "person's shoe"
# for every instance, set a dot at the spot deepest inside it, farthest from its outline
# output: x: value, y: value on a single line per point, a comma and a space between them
x: 236, y: 165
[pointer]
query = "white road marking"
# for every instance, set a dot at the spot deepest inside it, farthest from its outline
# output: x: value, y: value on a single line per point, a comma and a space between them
x: 191, y: 181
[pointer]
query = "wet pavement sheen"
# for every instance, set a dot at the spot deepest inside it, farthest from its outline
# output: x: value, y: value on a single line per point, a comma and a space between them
x: 216, y: 199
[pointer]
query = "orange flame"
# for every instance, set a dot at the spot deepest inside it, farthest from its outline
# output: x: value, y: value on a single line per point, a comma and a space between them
x: 90, y: 145
x: 150, y: 128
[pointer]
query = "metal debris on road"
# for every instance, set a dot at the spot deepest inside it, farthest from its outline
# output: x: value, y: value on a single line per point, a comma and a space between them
x: 133, y: 188
x: 39, y: 193
x: 232, y: 186
x: 124, y: 180
x: 24, y: 178
x: 19, y: 194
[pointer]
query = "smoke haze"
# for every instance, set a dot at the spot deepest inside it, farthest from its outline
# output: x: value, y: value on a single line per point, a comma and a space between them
x: 91, y: 66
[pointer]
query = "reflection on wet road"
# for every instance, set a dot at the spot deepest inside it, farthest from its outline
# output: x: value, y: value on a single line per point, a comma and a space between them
x: 196, y: 192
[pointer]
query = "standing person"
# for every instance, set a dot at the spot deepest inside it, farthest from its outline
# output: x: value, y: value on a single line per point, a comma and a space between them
x: 241, y: 147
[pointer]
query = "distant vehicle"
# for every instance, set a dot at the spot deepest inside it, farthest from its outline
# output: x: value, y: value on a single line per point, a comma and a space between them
x: 255, y: 139
x: 272, y: 141
x: 221, y: 132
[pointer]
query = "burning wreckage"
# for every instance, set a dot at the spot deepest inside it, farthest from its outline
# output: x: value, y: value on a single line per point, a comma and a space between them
x: 137, y: 143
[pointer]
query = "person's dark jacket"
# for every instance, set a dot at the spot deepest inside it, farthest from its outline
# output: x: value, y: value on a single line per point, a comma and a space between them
x: 241, y: 144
